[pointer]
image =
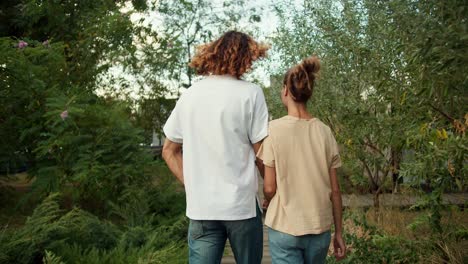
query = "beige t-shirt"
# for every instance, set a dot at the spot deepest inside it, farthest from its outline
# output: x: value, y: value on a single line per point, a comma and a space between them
x: 302, y: 152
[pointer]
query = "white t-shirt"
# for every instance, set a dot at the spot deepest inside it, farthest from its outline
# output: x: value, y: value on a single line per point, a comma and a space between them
x: 217, y: 120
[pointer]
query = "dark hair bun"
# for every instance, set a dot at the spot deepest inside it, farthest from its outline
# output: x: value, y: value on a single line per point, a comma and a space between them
x: 300, y: 79
x: 311, y: 65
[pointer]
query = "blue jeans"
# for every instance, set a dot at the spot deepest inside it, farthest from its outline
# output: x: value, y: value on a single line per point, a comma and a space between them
x: 285, y: 248
x: 207, y: 238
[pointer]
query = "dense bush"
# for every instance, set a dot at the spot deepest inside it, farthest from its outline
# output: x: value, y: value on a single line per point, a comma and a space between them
x: 92, y: 145
x: 119, y: 205
x: 68, y: 136
x: 367, y: 244
x: 54, y: 56
x: 379, y: 249
x: 48, y: 47
x: 76, y: 236
x: 27, y: 75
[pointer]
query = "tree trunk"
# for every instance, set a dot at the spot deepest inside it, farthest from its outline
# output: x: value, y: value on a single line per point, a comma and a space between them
x: 396, y: 180
x: 377, y: 199
x: 189, y: 72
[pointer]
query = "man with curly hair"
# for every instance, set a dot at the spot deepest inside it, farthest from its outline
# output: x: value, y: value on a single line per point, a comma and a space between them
x: 220, y: 121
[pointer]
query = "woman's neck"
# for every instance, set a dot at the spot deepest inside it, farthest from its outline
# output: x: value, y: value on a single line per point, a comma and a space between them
x: 298, y: 110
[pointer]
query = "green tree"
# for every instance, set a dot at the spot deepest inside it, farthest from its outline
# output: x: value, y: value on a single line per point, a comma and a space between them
x: 186, y: 25
x: 388, y: 87
x: 152, y: 113
x: 53, y: 54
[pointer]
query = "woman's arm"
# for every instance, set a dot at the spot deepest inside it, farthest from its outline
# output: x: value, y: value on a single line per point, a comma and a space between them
x: 269, y: 183
x: 338, y: 242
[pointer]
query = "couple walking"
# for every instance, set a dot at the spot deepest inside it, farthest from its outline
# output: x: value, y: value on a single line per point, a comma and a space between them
x: 222, y: 124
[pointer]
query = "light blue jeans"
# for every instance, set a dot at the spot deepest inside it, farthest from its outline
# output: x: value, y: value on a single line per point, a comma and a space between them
x: 289, y: 249
x: 207, y: 238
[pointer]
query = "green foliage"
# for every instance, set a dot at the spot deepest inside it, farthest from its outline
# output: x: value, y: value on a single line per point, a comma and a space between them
x: 40, y: 231
x: 276, y: 108
x: 172, y: 253
x: 91, y: 31
x: 86, y: 230
x: 370, y: 245
x: 50, y: 258
x: 187, y: 25
x: 392, y: 92
x: 95, y: 148
x: 380, y: 249
x: 140, y: 206
x: 24, y: 84
x: 92, y: 149
x: 152, y: 113
x: 76, y: 236
x: 49, y: 49
x: 355, y: 87
x: 54, y: 56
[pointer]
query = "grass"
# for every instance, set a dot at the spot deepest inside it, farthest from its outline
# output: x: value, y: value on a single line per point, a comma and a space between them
x: 396, y: 222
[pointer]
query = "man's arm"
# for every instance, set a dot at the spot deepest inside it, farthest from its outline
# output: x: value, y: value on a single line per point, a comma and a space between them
x: 338, y: 242
x: 172, y: 154
x: 269, y: 183
x: 258, y: 161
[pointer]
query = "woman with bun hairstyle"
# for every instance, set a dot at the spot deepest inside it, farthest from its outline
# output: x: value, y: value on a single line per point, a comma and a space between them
x: 301, y: 188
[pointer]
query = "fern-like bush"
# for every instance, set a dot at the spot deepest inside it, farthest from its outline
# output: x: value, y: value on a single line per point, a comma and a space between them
x: 91, y: 146
x: 50, y: 258
x: 41, y: 231
x: 54, y: 235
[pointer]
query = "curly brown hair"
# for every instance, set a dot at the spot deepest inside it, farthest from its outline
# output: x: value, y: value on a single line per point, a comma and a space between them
x: 233, y: 53
x: 300, y: 79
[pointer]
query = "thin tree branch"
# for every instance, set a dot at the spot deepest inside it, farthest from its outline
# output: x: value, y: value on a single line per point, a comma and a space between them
x: 442, y: 113
x: 369, y: 144
x: 369, y: 173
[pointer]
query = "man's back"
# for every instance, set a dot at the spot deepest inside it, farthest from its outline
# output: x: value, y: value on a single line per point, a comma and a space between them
x: 217, y: 120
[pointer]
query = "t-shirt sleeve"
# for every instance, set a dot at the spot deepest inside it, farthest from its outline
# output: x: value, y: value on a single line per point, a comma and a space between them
x: 173, y: 127
x: 266, y: 153
x: 259, y: 121
x: 335, y: 159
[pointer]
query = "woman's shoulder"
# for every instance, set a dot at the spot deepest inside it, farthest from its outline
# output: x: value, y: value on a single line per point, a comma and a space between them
x: 278, y: 124
x: 322, y: 125
x: 288, y: 121
x: 326, y: 131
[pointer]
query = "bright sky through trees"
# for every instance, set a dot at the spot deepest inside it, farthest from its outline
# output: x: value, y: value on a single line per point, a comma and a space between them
x: 263, y: 31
